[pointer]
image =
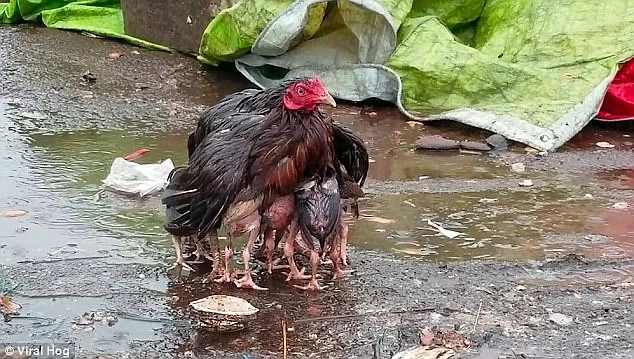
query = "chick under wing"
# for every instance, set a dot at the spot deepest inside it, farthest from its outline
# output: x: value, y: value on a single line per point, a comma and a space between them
x: 319, y: 210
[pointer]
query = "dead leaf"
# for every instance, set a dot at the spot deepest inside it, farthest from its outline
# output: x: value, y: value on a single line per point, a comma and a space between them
x: 8, y: 306
x: 379, y: 220
x: 114, y: 55
x: 413, y: 124
x: 13, y: 213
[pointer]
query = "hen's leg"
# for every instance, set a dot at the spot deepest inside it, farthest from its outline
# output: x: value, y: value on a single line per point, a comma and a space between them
x: 229, y: 274
x: 180, y: 260
x: 312, y: 284
x: 246, y: 281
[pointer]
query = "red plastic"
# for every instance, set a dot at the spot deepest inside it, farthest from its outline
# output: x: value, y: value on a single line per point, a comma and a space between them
x: 618, y: 104
x: 136, y: 154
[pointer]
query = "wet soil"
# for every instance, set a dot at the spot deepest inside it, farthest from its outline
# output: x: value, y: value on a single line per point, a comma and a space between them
x: 78, y: 250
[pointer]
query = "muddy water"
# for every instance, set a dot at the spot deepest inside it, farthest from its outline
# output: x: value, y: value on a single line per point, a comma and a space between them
x: 500, y: 220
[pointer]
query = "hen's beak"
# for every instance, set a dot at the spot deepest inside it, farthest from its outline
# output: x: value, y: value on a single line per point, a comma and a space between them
x: 328, y: 100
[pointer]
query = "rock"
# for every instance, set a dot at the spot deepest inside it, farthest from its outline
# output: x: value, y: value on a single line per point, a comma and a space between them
x: 518, y: 167
x: 560, y: 319
x: 497, y: 142
x: 620, y: 205
x: 475, y: 146
x: 436, y: 143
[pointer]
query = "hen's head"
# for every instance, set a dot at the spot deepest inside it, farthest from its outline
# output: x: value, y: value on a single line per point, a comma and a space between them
x: 306, y: 94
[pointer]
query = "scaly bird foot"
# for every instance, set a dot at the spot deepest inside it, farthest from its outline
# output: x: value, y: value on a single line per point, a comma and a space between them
x: 274, y: 265
x: 247, y: 282
x: 295, y: 274
x: 181, y: 263
x: 338, y: 273
x: 313, y: 285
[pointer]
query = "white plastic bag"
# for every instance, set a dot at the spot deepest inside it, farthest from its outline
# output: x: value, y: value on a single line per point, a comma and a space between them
x: 142, y: 179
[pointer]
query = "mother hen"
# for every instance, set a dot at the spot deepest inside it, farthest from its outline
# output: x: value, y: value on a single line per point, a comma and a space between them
x: 238, y: 171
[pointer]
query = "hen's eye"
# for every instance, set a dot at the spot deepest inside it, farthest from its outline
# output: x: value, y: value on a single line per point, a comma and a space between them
x: 301, y: 91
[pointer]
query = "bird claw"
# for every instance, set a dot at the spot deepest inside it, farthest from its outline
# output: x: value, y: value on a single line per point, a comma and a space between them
x: 338, y: 273
x: 313, y: 285
x: 181, y: 264
x: 247, y: 282
x: 295, y: 274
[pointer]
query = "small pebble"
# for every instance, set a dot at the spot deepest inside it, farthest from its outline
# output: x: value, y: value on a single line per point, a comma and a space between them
x: 561, y: 319
x: 497, y: 142
x: 620, y: 205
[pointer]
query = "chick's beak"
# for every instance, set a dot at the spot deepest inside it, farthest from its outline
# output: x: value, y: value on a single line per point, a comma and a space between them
x: 328, y: 100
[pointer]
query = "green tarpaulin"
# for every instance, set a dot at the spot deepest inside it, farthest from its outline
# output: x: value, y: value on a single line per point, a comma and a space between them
x: 532, y: 70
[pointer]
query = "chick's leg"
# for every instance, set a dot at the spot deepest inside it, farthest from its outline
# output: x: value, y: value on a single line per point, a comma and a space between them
x: 180, y: 260
x: 343, y: 251
x: 312, y: 284
x: 246, y: 281
x: 271, y: 243
x: 217, y: 272
x: 289, y: 251
x: 229, y: 275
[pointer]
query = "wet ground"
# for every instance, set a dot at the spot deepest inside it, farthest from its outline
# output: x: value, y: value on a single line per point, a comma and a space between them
x: 78, y: 250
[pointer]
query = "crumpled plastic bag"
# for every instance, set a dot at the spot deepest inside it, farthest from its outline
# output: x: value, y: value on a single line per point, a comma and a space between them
x: 134, y: 178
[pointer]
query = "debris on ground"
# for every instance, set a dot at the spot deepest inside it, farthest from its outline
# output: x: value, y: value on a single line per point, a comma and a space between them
x: 526, y: 183
x: 425, y: 353
x: 114, y: 55
x: 8, y: 307
x: 560, y: 319
x: 620, y: 205
x: 603, y: 144
x: 11, y: 213
x: 518, y: 167
x: 88, y: 78
x: 140, y: 179
x: 87, y: 320
x: 445, y: 232
x: 474, y: 146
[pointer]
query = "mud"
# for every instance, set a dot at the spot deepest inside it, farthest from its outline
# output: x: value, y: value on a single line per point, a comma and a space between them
x: 78, y: 250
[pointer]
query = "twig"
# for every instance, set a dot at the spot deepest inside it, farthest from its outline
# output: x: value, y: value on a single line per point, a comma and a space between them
x: 62, y: 260
x: 477, y: 317
x: 285, y: 348
x: 350, y: 316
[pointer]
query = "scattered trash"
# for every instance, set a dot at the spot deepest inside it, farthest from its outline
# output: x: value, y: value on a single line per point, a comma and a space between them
x: 88, y: 77
x: 425, y: 353
x: 526, y: 183
x: 422, y: 178
x: 87, y: 320
x: 560, y: 319
x: 620, y: 205
x: 142, y: 179
x: 588, y: 196
x: 135, y: 52
x: 497, y: 142
x: 488, y: 200
x: 436, y: 143
x: 409, y: 203
x: 518, y: 167
x: 136, y: 154
x: 605, y: 145
x: 445, y: 232
x: 189, y: 19
x: 11, y: 213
